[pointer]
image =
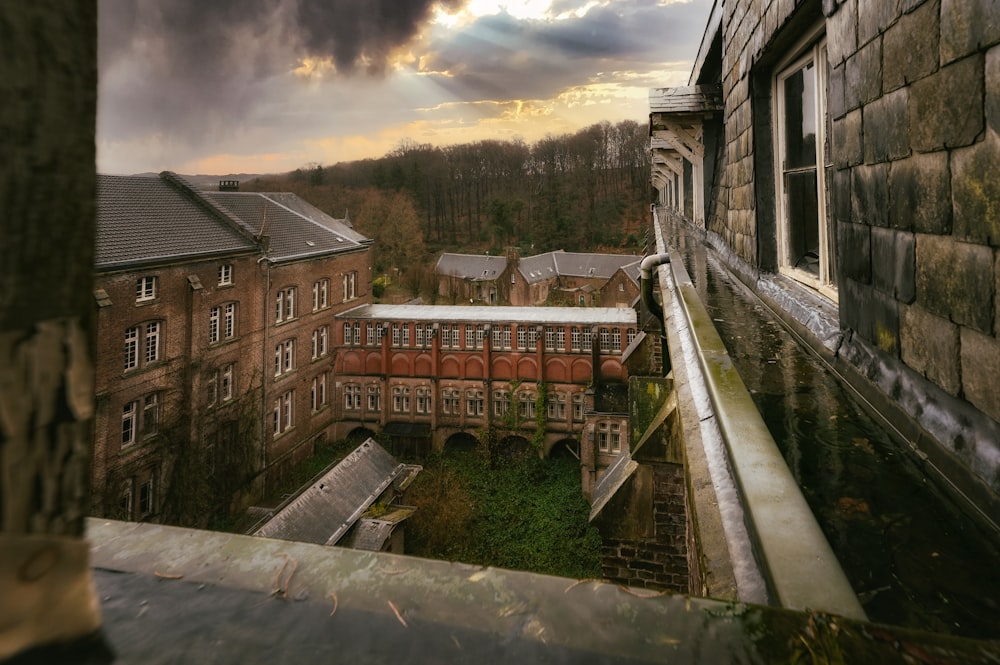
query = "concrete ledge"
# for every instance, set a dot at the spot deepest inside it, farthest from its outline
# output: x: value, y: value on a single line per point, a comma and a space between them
x: 799, y: 565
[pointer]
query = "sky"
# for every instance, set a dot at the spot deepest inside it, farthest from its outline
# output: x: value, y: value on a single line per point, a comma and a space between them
x: 268, y: 86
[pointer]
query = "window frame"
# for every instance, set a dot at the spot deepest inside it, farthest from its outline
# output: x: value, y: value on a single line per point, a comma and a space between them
x: 321, y: 294
x: 812, y: 48
x: 147, y: 288
x: 225, y: 274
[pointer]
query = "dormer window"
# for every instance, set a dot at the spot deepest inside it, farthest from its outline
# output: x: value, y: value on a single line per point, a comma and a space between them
x: 145, y: 289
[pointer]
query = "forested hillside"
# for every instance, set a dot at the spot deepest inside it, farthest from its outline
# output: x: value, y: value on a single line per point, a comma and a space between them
x: 587, y: 191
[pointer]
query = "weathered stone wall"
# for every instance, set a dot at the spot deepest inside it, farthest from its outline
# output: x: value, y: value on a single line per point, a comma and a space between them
x: 658, y: 561
x: 913, y: 192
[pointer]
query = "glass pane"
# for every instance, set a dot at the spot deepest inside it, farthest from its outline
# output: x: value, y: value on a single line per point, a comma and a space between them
x: 800, y: 118
x: 803, y: 221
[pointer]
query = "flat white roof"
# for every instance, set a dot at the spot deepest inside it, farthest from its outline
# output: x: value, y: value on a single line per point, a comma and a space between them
x: 494, y: 314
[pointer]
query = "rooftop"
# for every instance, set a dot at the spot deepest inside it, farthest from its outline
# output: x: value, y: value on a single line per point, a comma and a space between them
x: 494, y: 314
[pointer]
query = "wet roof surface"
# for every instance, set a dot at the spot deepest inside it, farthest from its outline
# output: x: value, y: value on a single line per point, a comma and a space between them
x: 498, y: 314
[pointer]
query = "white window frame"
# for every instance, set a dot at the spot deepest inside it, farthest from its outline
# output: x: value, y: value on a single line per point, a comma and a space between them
x: 321, y: 294
x: 556, y: 406
x: 352, y: 397
x: 317, y: 392
x: 501, y: 402
x: 526, y: 404
x: 227, y: 386
x: 400, y: 399
x: 130, y: 423
x: 350, y: 286
x: 146, y: 288
x: 474, y: 403
x: 374, y: 393
x: 226, y: 274
x: 284, y: 304
x: 284, y: 357
x: 320, y: 342
x: 450, y: 399
x: 423, y: 400
x: 811, y: 48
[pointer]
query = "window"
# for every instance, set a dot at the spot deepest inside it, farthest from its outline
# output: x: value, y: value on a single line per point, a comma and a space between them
x: 578, y: 407
x: 320, y: 342
x: 401, y: 399
x: 419, y: 335
x: 445, y: 335
x: 616, y: 438
x: 356, y: 328
x: 397, y: 334
x: 352, y: 397
x: 588, y: 339
x: 147, y: 496
x: 609, y: 437
x: 284, y: 305
x: 140, y: 418
x: 348, y: 337
x: 423, y: 395
x: 148, y: 336
x: 532, y: 338
x: 221, y: 384
x: 480, y: 335
x: 501, y: 402
x: 574, y: 338
x: 129, y: 418
x: 621, y: 286
x: 526, y: 405
x: 125, y: 500
x: 605, y: 336
x: 561, y: 339
x: 474, y: 403
x: 616, y: 339
x: 550, y: 338
x: 225, y: 274
x: 374, y: 398
x: 284, y: 357
x: 502, y: 337
x: 350, y: 286
x: 222, y: 323
x: 450, y: 401
x: 602, y: 437
x: 317, y: 393
x: 145, y: 289
x: 370, y: 333
x: 283, y: 412
x: 556, y: 406
x: 470, y: 336
x: 379, y: 333
x: 522, y: 338
x: 321, y: 290
x: 802, y: 150
x: 630, y: 335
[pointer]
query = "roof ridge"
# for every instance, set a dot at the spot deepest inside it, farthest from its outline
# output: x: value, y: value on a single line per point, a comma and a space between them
x: 185, y: 187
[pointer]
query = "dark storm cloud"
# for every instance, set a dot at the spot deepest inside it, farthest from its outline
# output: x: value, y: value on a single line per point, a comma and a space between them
x: 202, y: 65
x: 501, y: 57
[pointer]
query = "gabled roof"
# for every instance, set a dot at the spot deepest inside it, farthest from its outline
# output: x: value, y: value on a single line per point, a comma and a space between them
x: 574, y: 264
x: 151, y: 219
x: 325, y: 511
x: 475, y: 267
x: 292, y: 234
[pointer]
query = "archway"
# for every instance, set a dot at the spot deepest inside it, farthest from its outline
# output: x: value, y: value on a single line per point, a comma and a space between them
x: 567, y: 448
x: 461, y: 443
x: 359, y: 435
x: 516, y: 447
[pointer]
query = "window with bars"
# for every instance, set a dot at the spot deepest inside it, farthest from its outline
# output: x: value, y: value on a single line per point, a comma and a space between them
x: 284, y: 357
x: 284, y: 304
x: 222, y: 323
x: 474, y: 403
x: 317, y: 392
x: 321, y: 294
x: 400, y: 399
x: 352, y: 397
x: 450, y: 401
x: 423, y: 400
x: 320, y: 342
x: 283, y: 413
x: 146, y: 288
x: 374, y: 398
x: 146, y: 336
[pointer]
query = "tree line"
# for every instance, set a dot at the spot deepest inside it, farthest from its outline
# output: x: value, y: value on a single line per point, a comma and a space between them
x: 586, y: 191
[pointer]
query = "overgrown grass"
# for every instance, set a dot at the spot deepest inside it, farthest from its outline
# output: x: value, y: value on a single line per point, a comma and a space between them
x: 527, y: 514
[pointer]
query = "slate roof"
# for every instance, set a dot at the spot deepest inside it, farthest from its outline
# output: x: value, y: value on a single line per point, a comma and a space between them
x: 575, y: 264
x: 492, y: 314
x: 150, y: 219
x: 296, y: 229
x: 324, y: 512
x: 475, y: 267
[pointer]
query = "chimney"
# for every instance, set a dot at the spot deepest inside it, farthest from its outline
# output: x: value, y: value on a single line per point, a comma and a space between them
x: 229, y: 185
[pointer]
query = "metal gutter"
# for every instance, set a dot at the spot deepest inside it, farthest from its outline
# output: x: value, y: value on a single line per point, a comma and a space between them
x: 798, y: 563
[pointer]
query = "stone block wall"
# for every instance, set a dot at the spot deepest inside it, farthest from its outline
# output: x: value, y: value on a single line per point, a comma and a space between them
x: 913, y: 188
x: 660, y: 560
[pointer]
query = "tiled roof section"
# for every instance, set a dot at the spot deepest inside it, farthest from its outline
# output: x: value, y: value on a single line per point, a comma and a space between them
x: 632, y: 270
x: 477, y: 267
x: 324, y: 512
x: 299, y: 205
x: 572, y: 264
x: 539, y: 268
x: 292, y: 234
x: 147, y: 219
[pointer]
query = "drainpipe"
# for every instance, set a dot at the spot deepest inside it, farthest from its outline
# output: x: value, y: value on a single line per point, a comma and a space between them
x: 647, y: 269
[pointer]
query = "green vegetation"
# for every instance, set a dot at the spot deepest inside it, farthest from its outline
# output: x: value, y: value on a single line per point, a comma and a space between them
x: 526, y: 514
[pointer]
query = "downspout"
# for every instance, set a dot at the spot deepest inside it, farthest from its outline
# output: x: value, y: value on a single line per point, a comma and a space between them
x: 264, y: 368
x: 646, y: 270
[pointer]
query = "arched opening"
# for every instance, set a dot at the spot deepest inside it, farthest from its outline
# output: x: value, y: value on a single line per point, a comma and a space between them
x: 461, y: 442
x: 516, y: 447
x: 359, y: 435
x: 567, y: 448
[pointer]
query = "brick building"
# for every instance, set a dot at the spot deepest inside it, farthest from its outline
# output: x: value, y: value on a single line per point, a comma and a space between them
x: 432, y: 376
x: 842, y: 156
x: 215, y: 311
